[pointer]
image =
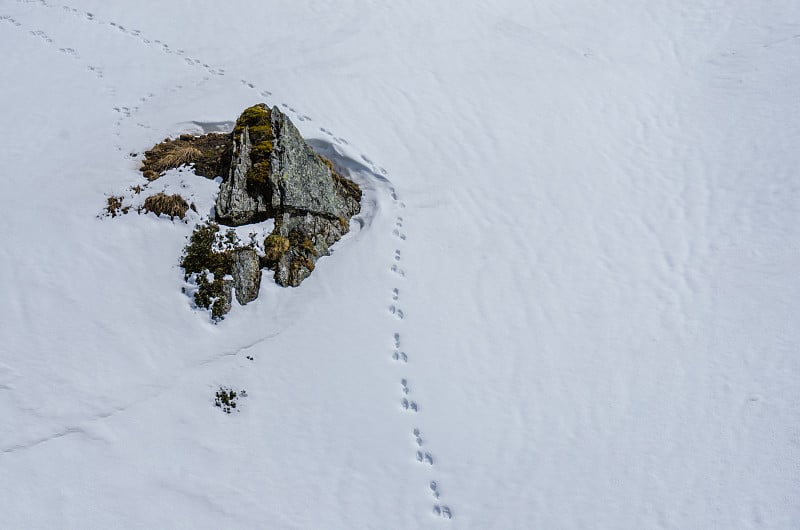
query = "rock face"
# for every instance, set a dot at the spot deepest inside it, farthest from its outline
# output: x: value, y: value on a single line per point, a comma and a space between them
x: 239, y: 203
x: 274, y: 173
x: 246, y: 272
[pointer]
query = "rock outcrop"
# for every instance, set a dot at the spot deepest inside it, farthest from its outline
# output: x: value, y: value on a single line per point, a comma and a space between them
x: 270, y: 173
x: 274, y: 173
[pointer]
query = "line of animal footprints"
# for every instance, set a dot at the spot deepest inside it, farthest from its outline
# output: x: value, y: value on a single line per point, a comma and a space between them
x: 397, y: 355
x: 194, y: 62
x: 423, y: 457
x: 406, y: 403
x: 396, y: 311
x: 426, y: 458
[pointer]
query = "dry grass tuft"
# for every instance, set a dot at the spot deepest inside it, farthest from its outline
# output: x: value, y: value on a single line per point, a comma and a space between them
x: 209, y: 154
x: 177, y: 157
x: 172, y: 205
x: 114, y: 206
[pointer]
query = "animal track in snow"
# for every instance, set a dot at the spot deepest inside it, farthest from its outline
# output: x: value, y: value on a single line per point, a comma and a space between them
x: 400, y: 356
x: 425, y: 458
x: 409, y: 405
x: 434, y: 488
x: 129, y: 112
x: 397, y: 270
x: 442, y: 511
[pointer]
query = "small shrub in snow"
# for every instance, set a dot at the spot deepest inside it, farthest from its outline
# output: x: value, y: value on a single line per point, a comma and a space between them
x: 114, y: 206
x: 207, y: 261
x: 226, y: 399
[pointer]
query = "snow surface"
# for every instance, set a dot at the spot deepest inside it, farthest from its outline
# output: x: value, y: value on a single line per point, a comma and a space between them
x: 594, y: 243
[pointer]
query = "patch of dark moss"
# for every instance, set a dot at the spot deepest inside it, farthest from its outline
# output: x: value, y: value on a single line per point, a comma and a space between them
x: 202, y: 259
x: 209, y: 154
x: 225, y: 398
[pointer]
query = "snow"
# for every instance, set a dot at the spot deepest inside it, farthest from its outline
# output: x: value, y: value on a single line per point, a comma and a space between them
x: 589, y: 213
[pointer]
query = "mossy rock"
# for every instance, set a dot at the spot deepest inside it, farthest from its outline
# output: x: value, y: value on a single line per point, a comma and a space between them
x: 275, y: 246
x: 257, y: 121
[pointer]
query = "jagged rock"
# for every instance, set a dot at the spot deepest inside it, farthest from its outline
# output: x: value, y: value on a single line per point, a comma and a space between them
x: 301, y: 181
x: 246, y: 272
x: 309, y: 237
x: 273, y: 171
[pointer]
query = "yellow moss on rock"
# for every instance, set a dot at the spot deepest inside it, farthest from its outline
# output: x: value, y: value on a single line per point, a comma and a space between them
x: 257, y: 121
x: 275, y: 246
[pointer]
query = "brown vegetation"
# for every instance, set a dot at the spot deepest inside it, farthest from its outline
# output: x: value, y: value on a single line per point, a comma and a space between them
x: 114, y: 206
x: 275, y: 246
x: 209, y: 154
x: 172, y: 205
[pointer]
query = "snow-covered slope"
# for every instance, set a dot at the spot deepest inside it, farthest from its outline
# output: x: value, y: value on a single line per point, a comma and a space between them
x: 579, y: 230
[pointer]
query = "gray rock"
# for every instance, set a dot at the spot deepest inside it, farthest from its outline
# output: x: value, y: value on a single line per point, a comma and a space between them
x: 301, y: 181
x: 297, y: 179
x: 236, y: 205
x: 246, y: 272
x: 275, y: 173
x: 310, y: 237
